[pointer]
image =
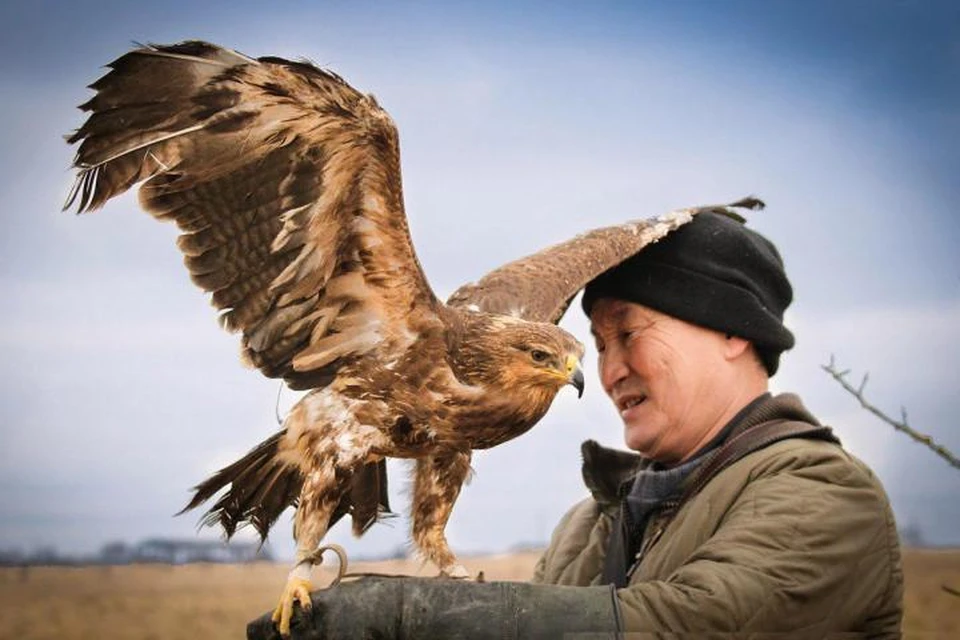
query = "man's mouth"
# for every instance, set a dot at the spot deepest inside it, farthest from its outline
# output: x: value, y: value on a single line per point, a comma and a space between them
x: 628, y: 402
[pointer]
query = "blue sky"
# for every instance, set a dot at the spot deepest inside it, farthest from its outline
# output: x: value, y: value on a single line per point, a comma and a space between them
x: 520, y: 126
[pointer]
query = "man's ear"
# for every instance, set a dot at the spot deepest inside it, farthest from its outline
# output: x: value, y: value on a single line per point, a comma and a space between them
x: 735, y: 347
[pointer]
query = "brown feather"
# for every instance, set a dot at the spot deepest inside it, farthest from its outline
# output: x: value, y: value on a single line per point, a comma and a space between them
x: 278, y: 173
x: 367, y: 500
x: 540, y: 287
x: 260, y: 486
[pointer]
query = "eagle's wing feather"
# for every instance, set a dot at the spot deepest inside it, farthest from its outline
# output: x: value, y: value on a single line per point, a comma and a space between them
x: 541, y: 286
x: 286, y: 184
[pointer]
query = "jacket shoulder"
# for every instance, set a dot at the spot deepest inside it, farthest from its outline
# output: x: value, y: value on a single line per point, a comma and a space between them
x: 814, y: 459
x: 778, y: 538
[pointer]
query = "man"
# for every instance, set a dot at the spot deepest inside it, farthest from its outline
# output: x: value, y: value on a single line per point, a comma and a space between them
x: 741, y: 514
x: 792, y: 534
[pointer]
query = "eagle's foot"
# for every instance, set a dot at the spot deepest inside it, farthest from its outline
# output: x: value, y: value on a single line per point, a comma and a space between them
x: 297, y: 589
x: 456, y: 571
x: 299, y: 586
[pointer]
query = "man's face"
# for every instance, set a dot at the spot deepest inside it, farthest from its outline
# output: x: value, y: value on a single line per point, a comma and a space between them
x: 665, y: 377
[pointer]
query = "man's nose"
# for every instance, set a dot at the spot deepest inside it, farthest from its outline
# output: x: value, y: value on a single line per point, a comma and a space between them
x: 613, y: 368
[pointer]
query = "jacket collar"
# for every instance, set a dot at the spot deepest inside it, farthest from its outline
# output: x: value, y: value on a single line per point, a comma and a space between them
x: 606, y: 471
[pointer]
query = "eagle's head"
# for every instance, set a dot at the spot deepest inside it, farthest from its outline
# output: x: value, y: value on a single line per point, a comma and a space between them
x: 535, y: 356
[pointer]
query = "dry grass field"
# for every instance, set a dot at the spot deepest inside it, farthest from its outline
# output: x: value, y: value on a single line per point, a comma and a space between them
x: 216, y: 601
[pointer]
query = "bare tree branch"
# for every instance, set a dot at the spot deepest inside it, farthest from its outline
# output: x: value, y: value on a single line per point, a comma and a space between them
x: 900, y: 425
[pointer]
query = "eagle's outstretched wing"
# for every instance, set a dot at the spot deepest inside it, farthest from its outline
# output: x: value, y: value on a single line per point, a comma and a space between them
x: 540, y: 287
x: 285, y: 182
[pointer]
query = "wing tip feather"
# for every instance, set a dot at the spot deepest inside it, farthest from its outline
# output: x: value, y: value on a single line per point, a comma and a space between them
x: 750, y: 202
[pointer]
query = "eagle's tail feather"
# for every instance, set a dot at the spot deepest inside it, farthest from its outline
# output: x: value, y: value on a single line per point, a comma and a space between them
x: 262, y: 486
x: 367, y: 500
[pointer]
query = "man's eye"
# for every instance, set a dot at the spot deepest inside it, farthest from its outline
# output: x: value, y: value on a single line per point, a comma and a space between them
x: 539, y: 356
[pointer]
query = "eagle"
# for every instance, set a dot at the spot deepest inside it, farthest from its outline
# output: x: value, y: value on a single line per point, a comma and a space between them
x: 285, y: 184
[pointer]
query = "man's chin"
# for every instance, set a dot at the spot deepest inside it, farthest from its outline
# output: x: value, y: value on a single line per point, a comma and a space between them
x: 640, y: 440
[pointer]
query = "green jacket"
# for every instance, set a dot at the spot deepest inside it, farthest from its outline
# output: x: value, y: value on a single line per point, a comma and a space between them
x: 796, y: 539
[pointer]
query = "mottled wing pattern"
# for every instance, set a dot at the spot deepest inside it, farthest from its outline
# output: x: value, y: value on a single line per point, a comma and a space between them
x: 540, y: 287
x: 285, y: 182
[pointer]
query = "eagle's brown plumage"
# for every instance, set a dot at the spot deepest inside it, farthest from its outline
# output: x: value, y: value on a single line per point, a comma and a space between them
x: 285, y: 183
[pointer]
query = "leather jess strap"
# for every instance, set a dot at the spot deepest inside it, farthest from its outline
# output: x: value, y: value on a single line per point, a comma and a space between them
x: 745, y: 443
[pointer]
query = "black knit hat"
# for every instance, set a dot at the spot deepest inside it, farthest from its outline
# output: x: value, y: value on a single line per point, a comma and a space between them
x: 713, y: 272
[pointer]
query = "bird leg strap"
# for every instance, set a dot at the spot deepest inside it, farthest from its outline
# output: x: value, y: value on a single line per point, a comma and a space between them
x: 316, y: 558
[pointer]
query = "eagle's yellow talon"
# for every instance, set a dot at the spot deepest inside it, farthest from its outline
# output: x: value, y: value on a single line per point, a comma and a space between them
x: 457, y: 572
x: 296, y: 590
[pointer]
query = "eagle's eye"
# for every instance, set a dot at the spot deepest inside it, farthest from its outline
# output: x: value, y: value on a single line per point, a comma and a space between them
x: 539, y: 356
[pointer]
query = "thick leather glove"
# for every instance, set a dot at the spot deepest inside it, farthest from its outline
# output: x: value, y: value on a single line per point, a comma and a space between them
x: 425, y: 608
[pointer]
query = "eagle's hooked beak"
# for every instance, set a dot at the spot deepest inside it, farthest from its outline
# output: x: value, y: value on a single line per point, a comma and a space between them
x: 574, y: 374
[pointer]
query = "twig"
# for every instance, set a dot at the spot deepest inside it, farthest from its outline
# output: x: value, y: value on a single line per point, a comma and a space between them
x: 899, y: 425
